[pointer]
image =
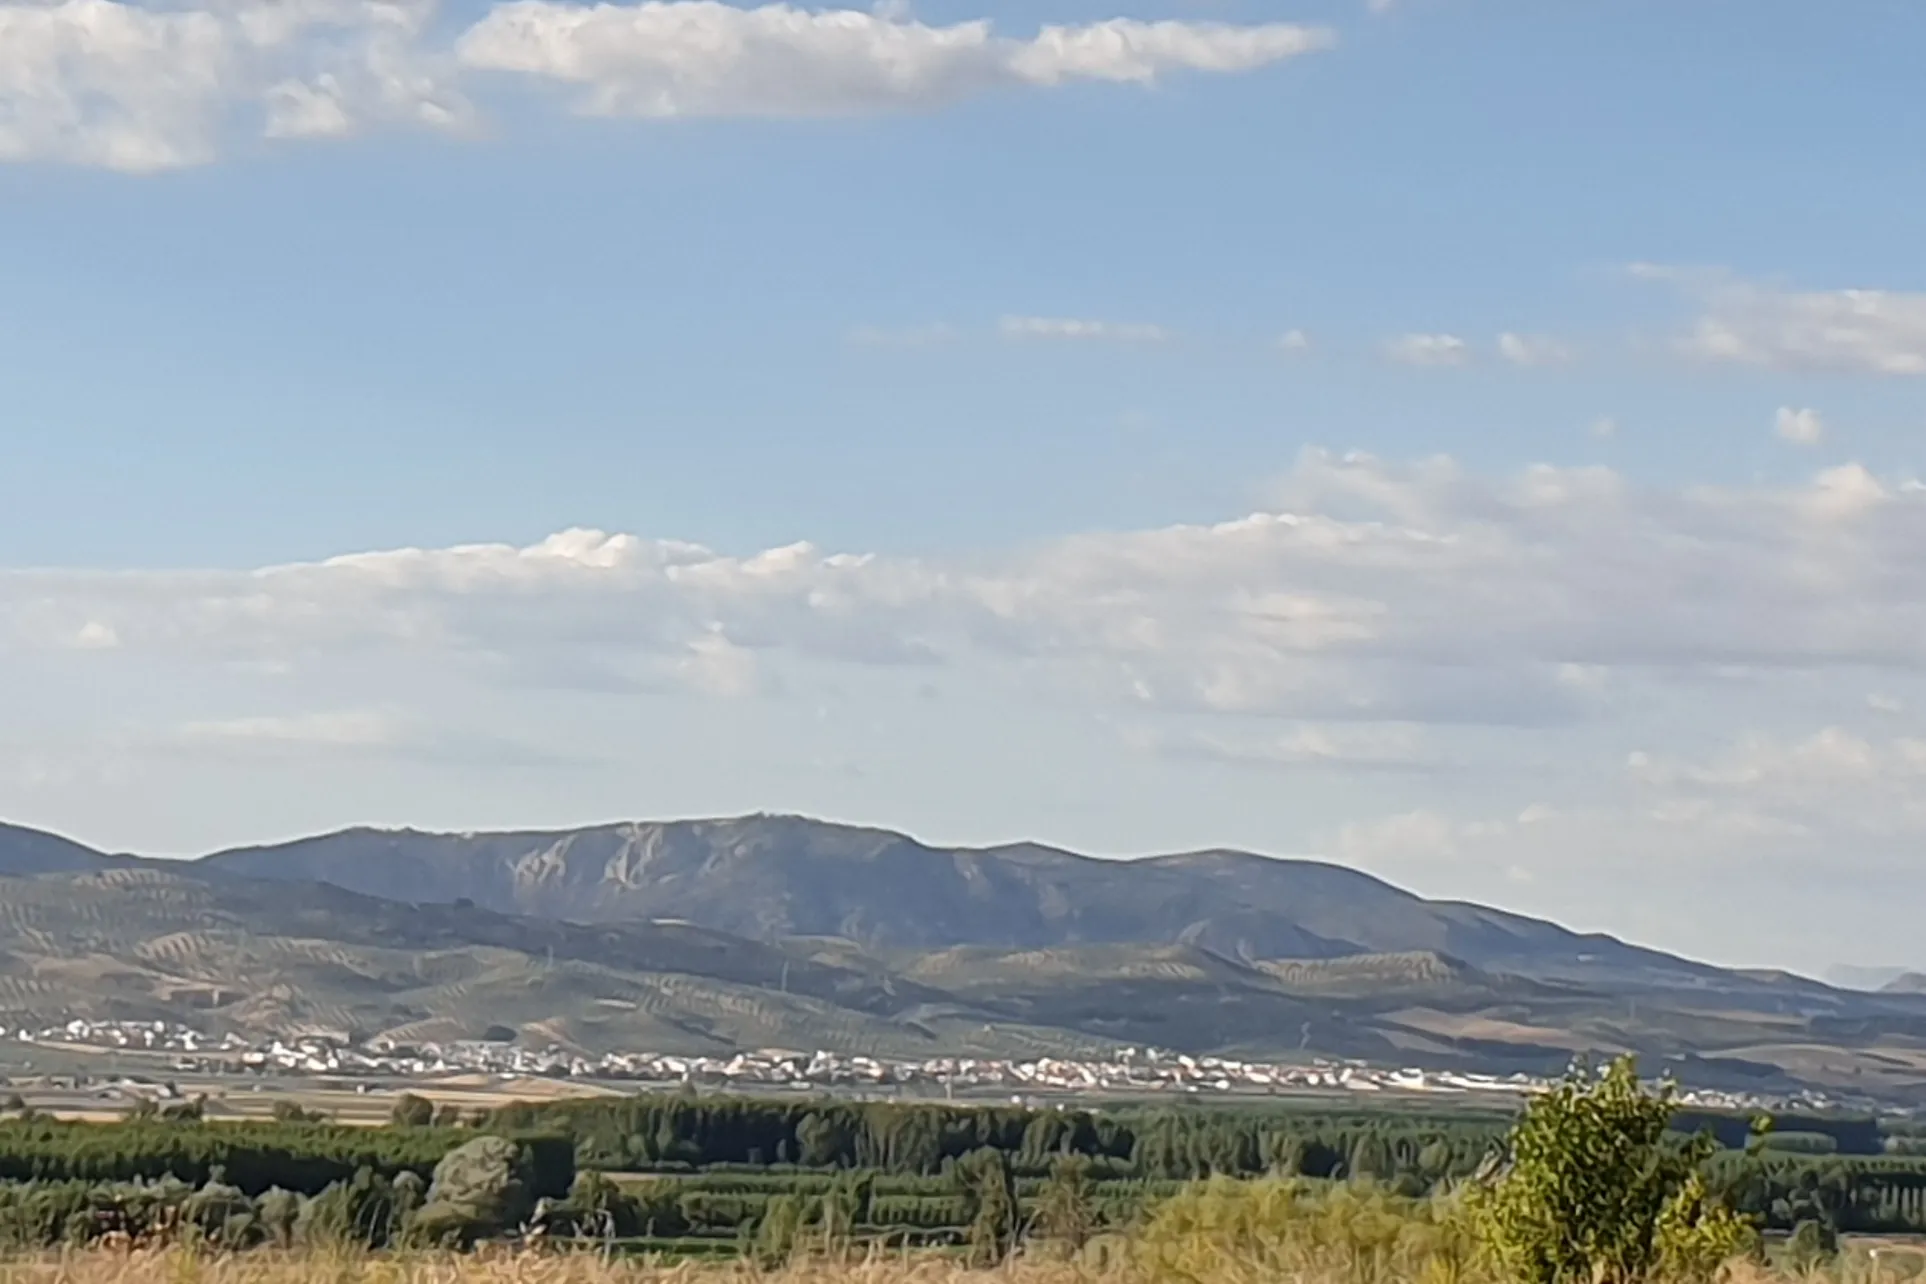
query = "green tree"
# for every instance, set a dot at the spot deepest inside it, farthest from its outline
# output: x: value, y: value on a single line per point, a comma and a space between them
x: 779, y: 1229
x: 480, y: 1189
x: 1594, y: 1191
x: 990, y: 1191
x: 1065, y: 1215
x: 411, y: 1111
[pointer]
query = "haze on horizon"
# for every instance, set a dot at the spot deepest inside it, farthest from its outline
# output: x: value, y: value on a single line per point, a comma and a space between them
x: 1472, y: 441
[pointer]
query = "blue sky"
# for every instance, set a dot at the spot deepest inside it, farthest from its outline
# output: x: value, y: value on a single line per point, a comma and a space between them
x: 1570, y: 354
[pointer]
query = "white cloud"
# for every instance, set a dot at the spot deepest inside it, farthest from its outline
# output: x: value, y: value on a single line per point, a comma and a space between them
x: 703, y: 58
x: 1532, y: 350
x: 1294, y: 341
x: 145, y: 85
x: 349, y: 729
x: 1879, y: 332
x: 367, y: 734
x: 133, y: 88
x: 1075, y: 328
x: 1376, y: 593
x: 1800, y: 427
x: 1605, y: 427
x: 1339, y: 747
x: 1429, y: 350
x: 1779, y: 773
x: 95, y: 636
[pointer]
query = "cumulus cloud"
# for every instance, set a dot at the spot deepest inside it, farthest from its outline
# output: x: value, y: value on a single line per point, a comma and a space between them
x: 142, y: 85
x: 1373, y: 592
x: 672, y: 58
x: 134, y: 88
x: 1429, y: 350
x: 1800, y: 427
x: 1016, y: 327
x: 1879, y: 332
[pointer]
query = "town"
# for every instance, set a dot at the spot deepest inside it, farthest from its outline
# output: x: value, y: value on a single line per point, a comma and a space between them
x: 1130, y: 1073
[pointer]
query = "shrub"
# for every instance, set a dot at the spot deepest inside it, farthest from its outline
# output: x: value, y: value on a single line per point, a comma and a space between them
x: 1595, y: 1192
x: 1231, y: 1232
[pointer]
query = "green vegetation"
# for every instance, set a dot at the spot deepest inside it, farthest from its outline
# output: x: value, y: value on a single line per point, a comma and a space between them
x: 1595, y: 1191
x: 675, y: 1134
x: 1593, y: 1181
x: 245, y: 1184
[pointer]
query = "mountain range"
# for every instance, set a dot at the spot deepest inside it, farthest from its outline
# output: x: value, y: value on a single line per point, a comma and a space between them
x: 759, y: 931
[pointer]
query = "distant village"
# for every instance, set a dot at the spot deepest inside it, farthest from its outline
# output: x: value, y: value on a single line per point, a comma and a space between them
x: 1132, y: 1072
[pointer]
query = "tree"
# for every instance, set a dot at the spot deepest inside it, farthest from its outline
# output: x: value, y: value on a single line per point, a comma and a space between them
x: 990, y: 1191
x: 411, y: 1111
x: 1064, y: 1214
x: 777, y: 1233
x: 1594, y: 1191
x: 479, y: 1190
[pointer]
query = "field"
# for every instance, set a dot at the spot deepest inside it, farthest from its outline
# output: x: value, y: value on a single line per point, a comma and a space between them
x: 1201, y: 1260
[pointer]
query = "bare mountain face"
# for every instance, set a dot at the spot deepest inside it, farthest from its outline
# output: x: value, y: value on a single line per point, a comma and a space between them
x: 709, y: 936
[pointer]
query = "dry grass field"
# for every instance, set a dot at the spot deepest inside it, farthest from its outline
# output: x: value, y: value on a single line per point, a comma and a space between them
x: 185, y: 1266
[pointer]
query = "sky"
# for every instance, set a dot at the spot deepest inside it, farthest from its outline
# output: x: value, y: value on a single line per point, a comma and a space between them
x: 1476, y: 441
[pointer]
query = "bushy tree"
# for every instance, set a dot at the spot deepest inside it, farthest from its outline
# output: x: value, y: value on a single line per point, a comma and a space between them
x: 411, y: 1111
x: 479, y: 1190
x: 990, y: 1189
x: 1064, y: 1213
x: 1593, y: 1191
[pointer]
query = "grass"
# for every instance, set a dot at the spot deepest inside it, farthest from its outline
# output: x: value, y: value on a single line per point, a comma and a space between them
x: 1211, y: 1233
x: 177, y: 1265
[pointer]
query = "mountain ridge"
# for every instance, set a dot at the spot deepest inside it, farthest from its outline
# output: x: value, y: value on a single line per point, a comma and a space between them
x: 765, y: 877
x: 708, y: 936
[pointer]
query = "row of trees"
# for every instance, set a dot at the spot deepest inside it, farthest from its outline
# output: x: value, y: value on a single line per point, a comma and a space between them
x: 656, y: 1133
x: 483, y: 1188
x: 305, y: 1158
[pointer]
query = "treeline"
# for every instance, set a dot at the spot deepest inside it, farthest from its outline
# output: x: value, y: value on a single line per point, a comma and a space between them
x: 305, y: 1158
x: 483, y: 1187
x: 1856, y: 1194
x: 671, y: 1134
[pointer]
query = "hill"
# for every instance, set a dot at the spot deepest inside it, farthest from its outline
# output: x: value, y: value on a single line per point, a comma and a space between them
x: 708, y: 936
x: 766, y: 877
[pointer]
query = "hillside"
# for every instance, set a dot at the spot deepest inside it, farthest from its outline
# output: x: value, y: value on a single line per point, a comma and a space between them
x: 719, y: 935
x: 766, y: 877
